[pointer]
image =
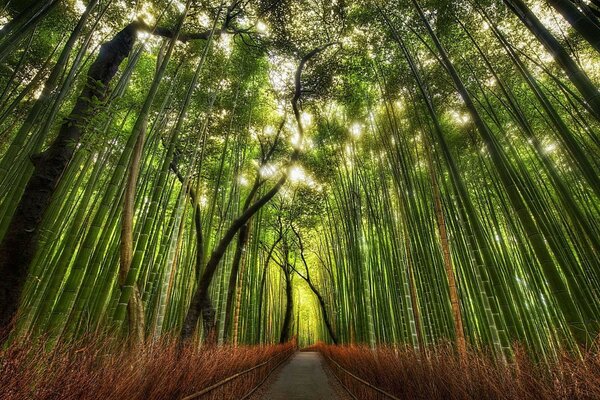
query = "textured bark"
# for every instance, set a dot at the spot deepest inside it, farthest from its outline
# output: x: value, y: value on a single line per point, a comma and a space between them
x: 238, y: 306
x: 201, y: 306
x: 454, y: 298
x: 51, y: 86
x: 289, y: 304
x: 201, y: 295
x: 324, y: 312
x: 20, y: 242
x: 231, y: 288
x: 263, y: 280
x: 136, y: 321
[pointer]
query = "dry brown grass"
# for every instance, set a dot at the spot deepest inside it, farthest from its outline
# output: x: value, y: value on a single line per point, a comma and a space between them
x: 441, y: 375
x: 103, y: 369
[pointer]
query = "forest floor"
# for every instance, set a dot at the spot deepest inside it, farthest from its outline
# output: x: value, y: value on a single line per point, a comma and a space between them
x: 303, y: 377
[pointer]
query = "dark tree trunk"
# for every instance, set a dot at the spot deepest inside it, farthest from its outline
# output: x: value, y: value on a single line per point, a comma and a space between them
x: 323, y: 312
x: 261, y: 292
x: 20, y: 241
x: 263, y: 281
x: 289, y: 304
x: 201, y: 294
x: 235, y: 268
x: 191, y: 319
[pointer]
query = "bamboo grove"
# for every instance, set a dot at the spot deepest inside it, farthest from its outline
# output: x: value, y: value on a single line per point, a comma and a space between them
x: 378, y: 172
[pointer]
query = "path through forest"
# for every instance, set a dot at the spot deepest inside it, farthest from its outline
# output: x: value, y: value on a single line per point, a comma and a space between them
x: 303, y: 378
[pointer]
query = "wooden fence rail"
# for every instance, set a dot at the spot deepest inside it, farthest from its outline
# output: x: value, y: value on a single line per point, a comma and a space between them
x: 208, y: 390
x: 362, y: 381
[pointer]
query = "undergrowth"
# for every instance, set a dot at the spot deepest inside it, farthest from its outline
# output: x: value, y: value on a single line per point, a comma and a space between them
x: 440, y: 374
x: 107, y: 369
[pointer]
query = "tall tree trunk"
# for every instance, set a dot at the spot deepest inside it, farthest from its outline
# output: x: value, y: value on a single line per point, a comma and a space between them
x: 20, y: 241
x: 454, y: 298
x: 130, y: 292
x: 201, y: 295
x: 50, y: 86
x: 324, y: 312
x: 238, y: 305
x: 233, y: 276
x: 289, y: 304
x: 134, y: 306
x: 259, y: 318
x: 412, y: 286
x: 263, y: 280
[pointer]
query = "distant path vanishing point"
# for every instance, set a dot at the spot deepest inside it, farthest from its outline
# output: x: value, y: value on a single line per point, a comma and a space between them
x: 302, y: 378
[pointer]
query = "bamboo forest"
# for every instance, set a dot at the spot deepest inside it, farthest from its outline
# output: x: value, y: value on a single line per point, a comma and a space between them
x: 299, y: 199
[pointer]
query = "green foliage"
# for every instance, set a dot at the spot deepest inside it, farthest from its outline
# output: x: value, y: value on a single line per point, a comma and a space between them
x: 386, y: 134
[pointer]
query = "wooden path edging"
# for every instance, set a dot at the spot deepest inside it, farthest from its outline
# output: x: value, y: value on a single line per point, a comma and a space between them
x: 369, y: 385
x: 239, y: 374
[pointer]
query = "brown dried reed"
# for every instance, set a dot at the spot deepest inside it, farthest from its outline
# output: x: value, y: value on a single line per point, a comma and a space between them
x: 440, y: 374
x: 107, y: 369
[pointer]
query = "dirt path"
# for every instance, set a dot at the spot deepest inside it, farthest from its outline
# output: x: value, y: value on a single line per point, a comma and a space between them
x: 303, y: 378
